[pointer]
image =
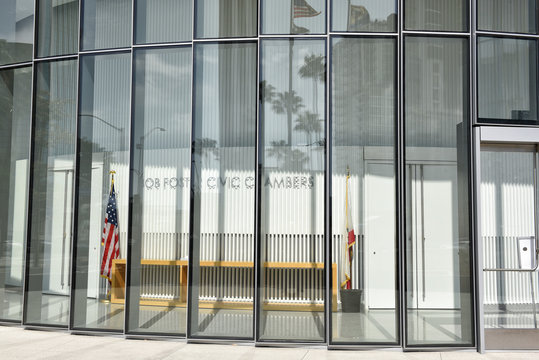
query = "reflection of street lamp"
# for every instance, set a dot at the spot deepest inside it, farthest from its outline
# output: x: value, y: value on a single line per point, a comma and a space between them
x: 140, y: 147
x: 119, y: 129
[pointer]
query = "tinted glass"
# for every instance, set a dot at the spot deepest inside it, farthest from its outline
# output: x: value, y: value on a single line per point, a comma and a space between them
x: 292, y: 146
x: 223, y: 204
x: 220, y: 19
x: 507, y: 79
x: 98, y: 288
x: 15, y: 115
x: 58, y: 27
x: 437, y: 15
x: 293, y: 16
x: 51, y: 195
x: 159, y: 21
x: 160, y: 173
x: 507, y: 15
x: 364, y: 15
x: 16, y: 31
x: 106, y: 24
x: 363, y: 214
x: 438, y: 277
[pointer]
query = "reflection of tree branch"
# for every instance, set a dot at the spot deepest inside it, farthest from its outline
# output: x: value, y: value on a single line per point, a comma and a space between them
x: 206, y: 146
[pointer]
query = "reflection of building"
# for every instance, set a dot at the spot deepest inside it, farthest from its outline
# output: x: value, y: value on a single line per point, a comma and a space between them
x: 232, y: 142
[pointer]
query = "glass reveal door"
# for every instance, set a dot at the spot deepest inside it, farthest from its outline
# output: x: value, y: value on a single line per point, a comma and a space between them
x: 508, y: 235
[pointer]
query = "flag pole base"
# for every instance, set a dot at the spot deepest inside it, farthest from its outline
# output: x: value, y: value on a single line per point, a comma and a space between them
x: 351, y: 300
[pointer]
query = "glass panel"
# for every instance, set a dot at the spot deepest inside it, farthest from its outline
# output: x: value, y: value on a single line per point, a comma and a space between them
x: 98, y: 289
x: 363, y: 191
x: 508, y: 193
x: 16, y: 31
x: 106, y: 24
x: 223, y: 204
x: 507, y: 79
x: 58, y: 27
x: 437, y: 15
x: 47, y: 266
x: 292, y: 145
x: 507, y: 15
x: 15, y: 115
x: 438, y: 277
x: 221, y: 19
x: 364, y: 15
x: 159, y: 21
x: 160, y: 194
x: 293, y: 16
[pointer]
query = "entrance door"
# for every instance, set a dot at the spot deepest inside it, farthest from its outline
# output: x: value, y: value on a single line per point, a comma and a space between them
x: 431, y: 237
x: 508, y: 236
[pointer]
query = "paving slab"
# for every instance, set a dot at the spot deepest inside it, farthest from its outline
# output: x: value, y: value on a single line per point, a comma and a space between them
x: 18, y: 343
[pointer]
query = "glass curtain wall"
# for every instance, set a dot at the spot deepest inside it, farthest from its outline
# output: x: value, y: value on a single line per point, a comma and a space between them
x: 518, y: 16
x: 101, y: 212
x: 160, y: 21
x: 221, y: 19
x: 51, y: 194
x: 106, y: 24
x: 58, y: 27
x: 16, y: 31
x: 292, y: 161
x: 15, y: 116
x: 364, y: 15
x: 507, y: 79
x: 223, y: 203
x: 436, y: 126
x: 363, y: 210
x: 160, y: 173
x: 436, y: 15
x: 293, y: 16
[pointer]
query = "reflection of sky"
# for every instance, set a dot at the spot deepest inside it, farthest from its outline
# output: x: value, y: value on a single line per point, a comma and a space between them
x: 13, y: 17
x: 378, y: 9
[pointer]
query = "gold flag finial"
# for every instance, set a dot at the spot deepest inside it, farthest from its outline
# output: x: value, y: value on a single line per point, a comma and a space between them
x: 112, y: 172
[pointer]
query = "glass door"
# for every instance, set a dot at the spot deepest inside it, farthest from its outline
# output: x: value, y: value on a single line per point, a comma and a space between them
x: 508, y: 235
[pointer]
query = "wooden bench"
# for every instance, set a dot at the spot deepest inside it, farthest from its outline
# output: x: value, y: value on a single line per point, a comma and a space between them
x: 118, y: 272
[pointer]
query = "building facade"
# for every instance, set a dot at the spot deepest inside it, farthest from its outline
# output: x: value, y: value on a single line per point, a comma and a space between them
x: 355, y: 173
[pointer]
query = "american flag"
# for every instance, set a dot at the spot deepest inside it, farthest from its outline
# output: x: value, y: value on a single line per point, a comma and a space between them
x: 110, y: 236
x: 302, y: 9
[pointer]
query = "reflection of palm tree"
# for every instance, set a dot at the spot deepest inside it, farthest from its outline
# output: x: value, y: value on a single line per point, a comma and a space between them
x: 314, y: 67
x: 267, y: 92
x: 288, y: 102
x: 309, y: 123
x: 292, y: 159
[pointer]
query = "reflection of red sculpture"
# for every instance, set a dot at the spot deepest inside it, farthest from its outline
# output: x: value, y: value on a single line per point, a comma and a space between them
x: 350, y: 237
x: 358, y: 16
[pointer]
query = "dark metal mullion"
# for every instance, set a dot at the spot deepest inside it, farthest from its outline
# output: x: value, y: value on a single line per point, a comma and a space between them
x: 328, y: 198
x: 127, y: 298
x: 29, y: 199
x: 76, y: 184
x: 400, y: 184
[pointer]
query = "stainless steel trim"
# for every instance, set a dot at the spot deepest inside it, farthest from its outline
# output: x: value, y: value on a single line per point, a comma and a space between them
x: 506, y: 34
x: 16, y: 65
x: 437, y: 33
x: 60, y: 57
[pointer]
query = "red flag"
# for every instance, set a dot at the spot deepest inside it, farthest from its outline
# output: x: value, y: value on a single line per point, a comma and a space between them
x: 110, y: 235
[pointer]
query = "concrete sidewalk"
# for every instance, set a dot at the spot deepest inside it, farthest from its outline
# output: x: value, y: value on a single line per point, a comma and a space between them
x: 17, y: 343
